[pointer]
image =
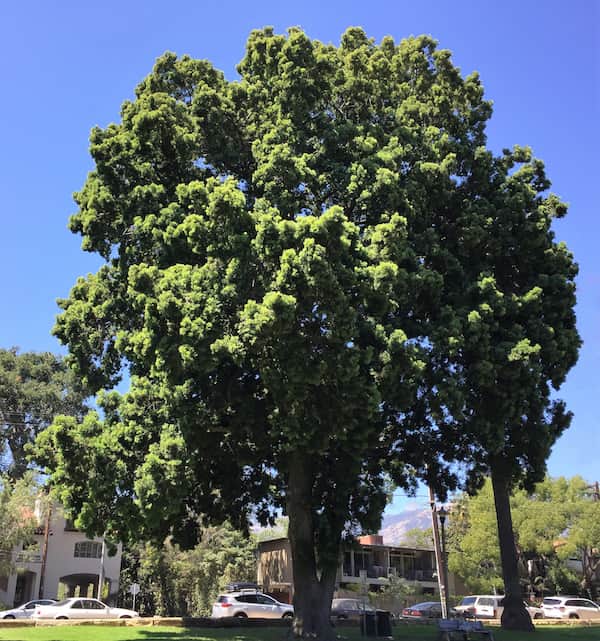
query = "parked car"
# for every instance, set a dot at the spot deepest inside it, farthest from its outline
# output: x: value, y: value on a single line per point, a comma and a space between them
x: 534, y: 611
x: 570, y: 607
x: 26, y: 610
x: 349, y: 609
x: 252, y: 604
x: 81, y: 608
x: 425, y: 610
x: 489, y: 606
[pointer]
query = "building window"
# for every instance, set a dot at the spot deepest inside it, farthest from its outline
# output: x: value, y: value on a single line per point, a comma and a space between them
x: 88, y: 549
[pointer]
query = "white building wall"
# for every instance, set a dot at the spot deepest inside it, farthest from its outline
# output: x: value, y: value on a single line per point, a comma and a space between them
x: 61, y: 562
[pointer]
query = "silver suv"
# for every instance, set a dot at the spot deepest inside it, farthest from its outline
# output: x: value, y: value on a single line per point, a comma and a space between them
x: 252, y: 604
x: 570, y: 607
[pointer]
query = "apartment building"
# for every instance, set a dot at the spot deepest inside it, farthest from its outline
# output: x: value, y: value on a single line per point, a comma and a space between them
x: 370, y: 564
x: 63, y: 562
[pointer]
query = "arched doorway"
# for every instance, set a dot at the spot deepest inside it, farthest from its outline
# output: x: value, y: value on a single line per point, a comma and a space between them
x: 85, y: 585
x: 25, y: 586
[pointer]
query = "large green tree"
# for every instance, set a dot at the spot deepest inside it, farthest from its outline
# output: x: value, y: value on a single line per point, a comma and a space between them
x: 519, y: 337
x: 283, y: 262
x: 34, y: 388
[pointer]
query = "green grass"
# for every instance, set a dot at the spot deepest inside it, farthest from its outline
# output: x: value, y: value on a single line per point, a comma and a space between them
x: 401, y: 633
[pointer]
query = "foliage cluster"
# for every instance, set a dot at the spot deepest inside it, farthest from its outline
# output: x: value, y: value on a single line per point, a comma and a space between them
x: 557, y: 522
x: 19, y: 502
x: 176, y: 582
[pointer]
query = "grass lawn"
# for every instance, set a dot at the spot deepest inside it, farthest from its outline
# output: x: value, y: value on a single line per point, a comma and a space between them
x: 401, y: 633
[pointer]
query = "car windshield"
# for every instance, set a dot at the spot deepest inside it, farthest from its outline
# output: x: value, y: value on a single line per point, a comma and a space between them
x: 548, y: 601
x: 468, y: 600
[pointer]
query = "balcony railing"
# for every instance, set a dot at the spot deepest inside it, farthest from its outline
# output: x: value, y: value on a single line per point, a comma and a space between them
x: 382, y: 572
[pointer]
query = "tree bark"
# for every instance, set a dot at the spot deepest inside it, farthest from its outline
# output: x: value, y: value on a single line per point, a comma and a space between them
x: 313, y: 585
x: 514, y: 616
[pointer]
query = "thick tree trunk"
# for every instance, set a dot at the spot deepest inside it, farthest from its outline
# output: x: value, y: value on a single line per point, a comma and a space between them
x: 515, y: 616
x: 313, y: 586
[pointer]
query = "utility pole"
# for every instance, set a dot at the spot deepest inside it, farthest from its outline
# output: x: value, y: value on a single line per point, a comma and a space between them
x: 45, y: 550
x: 101, y: 576
x: 438, y: 554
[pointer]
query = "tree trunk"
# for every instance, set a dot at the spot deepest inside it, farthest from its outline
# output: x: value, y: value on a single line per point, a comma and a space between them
x: 514, y: 616
x: 313, y: 586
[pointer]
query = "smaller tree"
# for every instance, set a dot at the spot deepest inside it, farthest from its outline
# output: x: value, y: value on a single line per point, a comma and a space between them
x: 34, y: 388
x: 17, y: 517
x: 473, y: 542
x: 583, y: 542
x: 176, y: 582
x: 418, y: 538
x: 396, y: 595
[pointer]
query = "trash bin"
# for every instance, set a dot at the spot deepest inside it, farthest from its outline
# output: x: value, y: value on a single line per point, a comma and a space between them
x: 368, y: 624
x: 384, y: 623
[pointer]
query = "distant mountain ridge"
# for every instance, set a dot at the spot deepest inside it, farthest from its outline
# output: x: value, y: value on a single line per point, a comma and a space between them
x: 395, y: 526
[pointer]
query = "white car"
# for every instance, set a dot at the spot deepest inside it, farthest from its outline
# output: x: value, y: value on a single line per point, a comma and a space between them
x: 570, y: 607
x: 490, y: 606
x: 81, y: 608
x: 250, y: 604
x: 26, y: 610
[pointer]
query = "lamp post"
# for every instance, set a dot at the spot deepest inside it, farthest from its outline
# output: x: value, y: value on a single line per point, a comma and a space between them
x: 442, y: 513
x: 438, y: 554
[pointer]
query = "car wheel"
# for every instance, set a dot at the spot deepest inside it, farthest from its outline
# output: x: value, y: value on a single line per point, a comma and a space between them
x: 573, y: 616
x: 341, y: 617
x: 240, y: 615
x: 9, y: 616
x: 288, y: 615
x: 538, y: 616
x: 61, y: 618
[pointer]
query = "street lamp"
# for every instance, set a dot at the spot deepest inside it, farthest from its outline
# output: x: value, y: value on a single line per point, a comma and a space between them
x: 442, y: 513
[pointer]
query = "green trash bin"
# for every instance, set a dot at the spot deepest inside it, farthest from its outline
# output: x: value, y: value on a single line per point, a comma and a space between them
x: 368, y: 624
x: 384, y: 623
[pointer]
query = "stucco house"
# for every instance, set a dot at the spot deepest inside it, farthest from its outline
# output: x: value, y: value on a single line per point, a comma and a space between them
x: 63, y: 562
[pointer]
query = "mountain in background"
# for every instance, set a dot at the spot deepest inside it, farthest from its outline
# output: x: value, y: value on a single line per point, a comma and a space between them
x: 395, y: 526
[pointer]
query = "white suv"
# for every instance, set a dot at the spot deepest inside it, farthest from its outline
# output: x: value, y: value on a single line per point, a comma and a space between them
x: 570, y: 607
x: 489, y: 606
x: 482, y: 606
x: 250, y: 603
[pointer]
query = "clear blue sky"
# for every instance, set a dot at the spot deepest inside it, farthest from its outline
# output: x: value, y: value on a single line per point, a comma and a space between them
x: 66, y: 66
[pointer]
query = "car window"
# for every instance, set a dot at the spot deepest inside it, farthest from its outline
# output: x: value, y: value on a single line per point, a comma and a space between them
x: 468, y: 600
x: 265, y: 600
x: 29, y: 606
x: 485, y: 601
x: 77, y: 605
x: 222, y: 599
x: 91, y: 604
x: 549, y: 601
x: 247, y: 598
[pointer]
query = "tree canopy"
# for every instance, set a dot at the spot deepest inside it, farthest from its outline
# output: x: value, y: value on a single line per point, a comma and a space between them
x: 34, y: 388
x: 18, y: 502
x: 304, y: 270
x: 556, y: 522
